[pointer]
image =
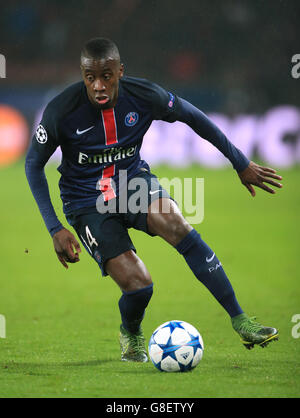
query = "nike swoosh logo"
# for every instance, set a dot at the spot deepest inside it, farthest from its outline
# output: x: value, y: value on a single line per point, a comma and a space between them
x: 208, y: 260
x: 155, y: 191
x: 85, y: 130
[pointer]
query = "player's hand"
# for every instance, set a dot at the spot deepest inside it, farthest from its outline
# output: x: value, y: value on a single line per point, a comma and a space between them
x: 256, y: 175
x: 66, y: 247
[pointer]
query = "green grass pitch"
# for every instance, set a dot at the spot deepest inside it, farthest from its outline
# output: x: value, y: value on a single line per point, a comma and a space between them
x: 62, y: 325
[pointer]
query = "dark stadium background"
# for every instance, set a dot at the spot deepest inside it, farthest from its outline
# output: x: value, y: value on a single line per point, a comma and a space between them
x: 227, y: 56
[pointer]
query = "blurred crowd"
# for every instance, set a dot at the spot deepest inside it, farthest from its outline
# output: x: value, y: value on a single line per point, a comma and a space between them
x: 234, y: 54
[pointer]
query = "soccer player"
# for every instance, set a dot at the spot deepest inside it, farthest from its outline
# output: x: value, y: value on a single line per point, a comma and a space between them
x: 99, y: 123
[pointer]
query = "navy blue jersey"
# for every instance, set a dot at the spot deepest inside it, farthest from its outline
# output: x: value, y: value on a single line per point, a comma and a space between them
x: 96, y: 144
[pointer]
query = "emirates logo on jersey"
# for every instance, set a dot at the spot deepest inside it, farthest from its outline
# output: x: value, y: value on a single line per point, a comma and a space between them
x: 109, y: 155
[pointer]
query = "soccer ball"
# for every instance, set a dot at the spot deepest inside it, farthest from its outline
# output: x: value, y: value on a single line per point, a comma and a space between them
x: 175, y: 346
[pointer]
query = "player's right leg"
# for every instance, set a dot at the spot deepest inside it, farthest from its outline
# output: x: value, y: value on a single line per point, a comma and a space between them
x: 131, y: 275
x: 106, y: 239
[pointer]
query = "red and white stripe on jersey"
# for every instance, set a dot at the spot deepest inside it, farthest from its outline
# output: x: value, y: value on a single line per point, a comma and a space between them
x: 110, y: 126
x: 111, y: 137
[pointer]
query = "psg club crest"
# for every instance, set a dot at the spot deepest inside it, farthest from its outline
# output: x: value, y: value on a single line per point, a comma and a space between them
x: 131, y: 119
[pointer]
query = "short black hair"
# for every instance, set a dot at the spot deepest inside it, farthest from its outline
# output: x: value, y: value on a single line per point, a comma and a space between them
x: 98, y: 48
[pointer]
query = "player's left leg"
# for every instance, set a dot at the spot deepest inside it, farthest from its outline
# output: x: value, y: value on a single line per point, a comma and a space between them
x: 165, y: 220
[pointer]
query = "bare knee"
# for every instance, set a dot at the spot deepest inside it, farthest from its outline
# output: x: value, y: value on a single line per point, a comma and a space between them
x: 169, y: 223
x: 128, y: 271
x: 177, y: 229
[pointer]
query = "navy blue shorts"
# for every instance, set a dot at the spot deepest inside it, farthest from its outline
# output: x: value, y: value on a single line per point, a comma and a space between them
x: 105, y: 235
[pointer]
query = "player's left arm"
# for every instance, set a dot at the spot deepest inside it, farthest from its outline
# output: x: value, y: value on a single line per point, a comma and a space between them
x: 250, y: 173
x: 170, y: 108
x: 257, y: 175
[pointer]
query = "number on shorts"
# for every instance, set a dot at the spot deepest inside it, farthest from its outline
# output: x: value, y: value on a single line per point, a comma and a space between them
x: 91, y: 240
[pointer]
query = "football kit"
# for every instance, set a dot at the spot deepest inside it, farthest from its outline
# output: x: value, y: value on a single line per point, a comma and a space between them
x: 97, y: 145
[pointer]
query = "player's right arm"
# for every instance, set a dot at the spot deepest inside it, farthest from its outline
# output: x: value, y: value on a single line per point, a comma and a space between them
x: 44, y: 143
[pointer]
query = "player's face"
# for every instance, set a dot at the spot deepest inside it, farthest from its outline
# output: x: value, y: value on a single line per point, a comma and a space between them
x: 101, y: 78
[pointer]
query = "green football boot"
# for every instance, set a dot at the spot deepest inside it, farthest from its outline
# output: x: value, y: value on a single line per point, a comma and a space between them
x: 252, y: 333
x: 132, y: 346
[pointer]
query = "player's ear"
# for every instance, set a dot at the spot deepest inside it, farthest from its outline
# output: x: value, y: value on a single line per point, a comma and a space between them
x: 121, y: 71
x: 81, y: 69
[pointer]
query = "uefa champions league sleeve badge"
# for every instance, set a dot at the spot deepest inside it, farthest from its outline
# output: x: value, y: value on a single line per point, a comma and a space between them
x: 41, y: 134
